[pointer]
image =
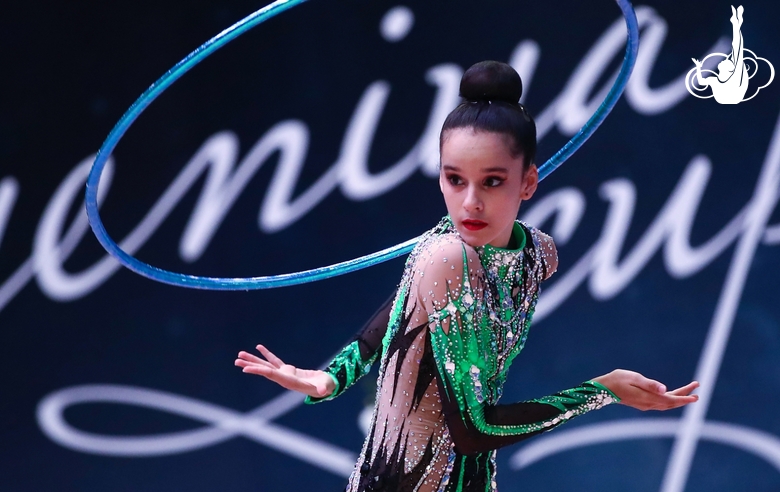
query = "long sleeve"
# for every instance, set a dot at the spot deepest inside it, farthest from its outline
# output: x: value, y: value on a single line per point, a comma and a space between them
x: 477, y: 427
x: 355, y: 360
x: 473, y: 345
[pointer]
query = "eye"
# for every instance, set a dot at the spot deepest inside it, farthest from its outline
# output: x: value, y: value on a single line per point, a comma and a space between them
x: 493, y: 181
x: 454, y: 179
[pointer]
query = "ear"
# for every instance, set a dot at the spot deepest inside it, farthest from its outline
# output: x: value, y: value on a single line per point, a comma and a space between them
x: 441, y: 180
x: 530, y: 182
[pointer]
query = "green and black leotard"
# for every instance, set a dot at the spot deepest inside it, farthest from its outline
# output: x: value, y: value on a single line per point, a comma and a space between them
x: 446, y: 341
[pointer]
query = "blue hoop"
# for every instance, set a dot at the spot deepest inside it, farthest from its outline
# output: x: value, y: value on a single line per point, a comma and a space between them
x: 269, y: 282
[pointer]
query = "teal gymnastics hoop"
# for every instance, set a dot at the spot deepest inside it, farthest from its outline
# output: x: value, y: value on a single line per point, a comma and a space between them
x: 273, y: 281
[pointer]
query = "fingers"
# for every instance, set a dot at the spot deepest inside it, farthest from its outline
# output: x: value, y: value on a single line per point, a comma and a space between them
x: 650, y: 385
x: 676, y: 398
x: 246, y: 363
x: 272, y: 360
x: 246, y: 359
x: 643, y: 393
x: 284, y: 379
x: 272, y: 374
x: 249, y: 357
x: 254, y: 368
x: 679, y: 401
x: 685, y: 390
x: 667, y: 401
x: 270, y: 356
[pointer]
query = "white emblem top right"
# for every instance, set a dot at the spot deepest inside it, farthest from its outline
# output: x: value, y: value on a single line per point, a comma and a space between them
x: 730, y: 83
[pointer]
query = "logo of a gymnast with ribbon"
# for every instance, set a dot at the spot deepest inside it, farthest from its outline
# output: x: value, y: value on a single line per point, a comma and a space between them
x: 730, y: 84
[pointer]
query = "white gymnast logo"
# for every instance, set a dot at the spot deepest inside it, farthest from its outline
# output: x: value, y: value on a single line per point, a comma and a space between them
x: 730, y: 84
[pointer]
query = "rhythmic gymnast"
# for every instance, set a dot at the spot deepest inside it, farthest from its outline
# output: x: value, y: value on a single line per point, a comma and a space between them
x: 460, y: 315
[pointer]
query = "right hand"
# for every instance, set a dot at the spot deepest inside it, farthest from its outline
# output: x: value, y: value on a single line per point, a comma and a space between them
x: 317, y: 384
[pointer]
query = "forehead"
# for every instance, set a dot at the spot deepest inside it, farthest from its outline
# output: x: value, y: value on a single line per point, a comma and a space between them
x: 468, y: 149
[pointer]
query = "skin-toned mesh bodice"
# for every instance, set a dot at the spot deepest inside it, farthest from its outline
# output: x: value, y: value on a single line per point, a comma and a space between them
x: 458, y: 319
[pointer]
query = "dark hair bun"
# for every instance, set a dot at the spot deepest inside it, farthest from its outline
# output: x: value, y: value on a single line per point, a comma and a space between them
x: 491, y: 81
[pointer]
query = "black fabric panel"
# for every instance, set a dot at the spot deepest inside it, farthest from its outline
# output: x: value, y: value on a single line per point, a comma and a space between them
x: 370, y: 336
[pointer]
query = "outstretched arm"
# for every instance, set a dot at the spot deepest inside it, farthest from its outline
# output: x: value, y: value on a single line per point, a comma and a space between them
x: 350, y: 364
x: 477, y: 426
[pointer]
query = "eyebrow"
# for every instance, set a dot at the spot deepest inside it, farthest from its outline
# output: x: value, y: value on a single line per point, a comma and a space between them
x: 449, y: 167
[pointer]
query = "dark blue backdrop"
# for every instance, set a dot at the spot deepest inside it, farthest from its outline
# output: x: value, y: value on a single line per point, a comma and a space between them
x: 666, y: 223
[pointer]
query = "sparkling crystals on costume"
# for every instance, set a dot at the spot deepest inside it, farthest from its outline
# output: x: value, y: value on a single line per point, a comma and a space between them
x: 474, y: 371
x: 346, y: 368
x: 459, y: 318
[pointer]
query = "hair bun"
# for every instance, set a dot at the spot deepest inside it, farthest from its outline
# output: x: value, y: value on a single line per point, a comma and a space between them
x: 491, y: 81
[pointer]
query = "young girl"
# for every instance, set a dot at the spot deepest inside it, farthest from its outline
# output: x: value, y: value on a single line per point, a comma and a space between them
x: 461, y: 314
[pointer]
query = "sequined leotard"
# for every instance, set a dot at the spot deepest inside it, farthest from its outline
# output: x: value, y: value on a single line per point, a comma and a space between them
x: 458, y: 319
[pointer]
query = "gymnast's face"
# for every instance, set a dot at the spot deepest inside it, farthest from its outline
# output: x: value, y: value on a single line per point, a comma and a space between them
x: 483, y: 185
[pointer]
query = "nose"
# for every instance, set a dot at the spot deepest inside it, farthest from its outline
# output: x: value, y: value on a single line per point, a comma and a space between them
x: 473, y: 201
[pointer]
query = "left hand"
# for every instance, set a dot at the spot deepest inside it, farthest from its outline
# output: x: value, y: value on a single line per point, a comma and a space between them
x: 642, y: 393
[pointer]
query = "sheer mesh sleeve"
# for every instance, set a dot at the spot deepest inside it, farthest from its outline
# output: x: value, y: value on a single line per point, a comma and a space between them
x: 355, y: 360
x: 470, y: 364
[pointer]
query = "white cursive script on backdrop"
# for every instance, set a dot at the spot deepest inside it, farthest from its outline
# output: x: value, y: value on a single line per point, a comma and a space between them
x: 227, y: 177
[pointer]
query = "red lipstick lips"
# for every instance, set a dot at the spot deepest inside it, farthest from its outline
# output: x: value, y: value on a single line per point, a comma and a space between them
x: 473, y: 224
